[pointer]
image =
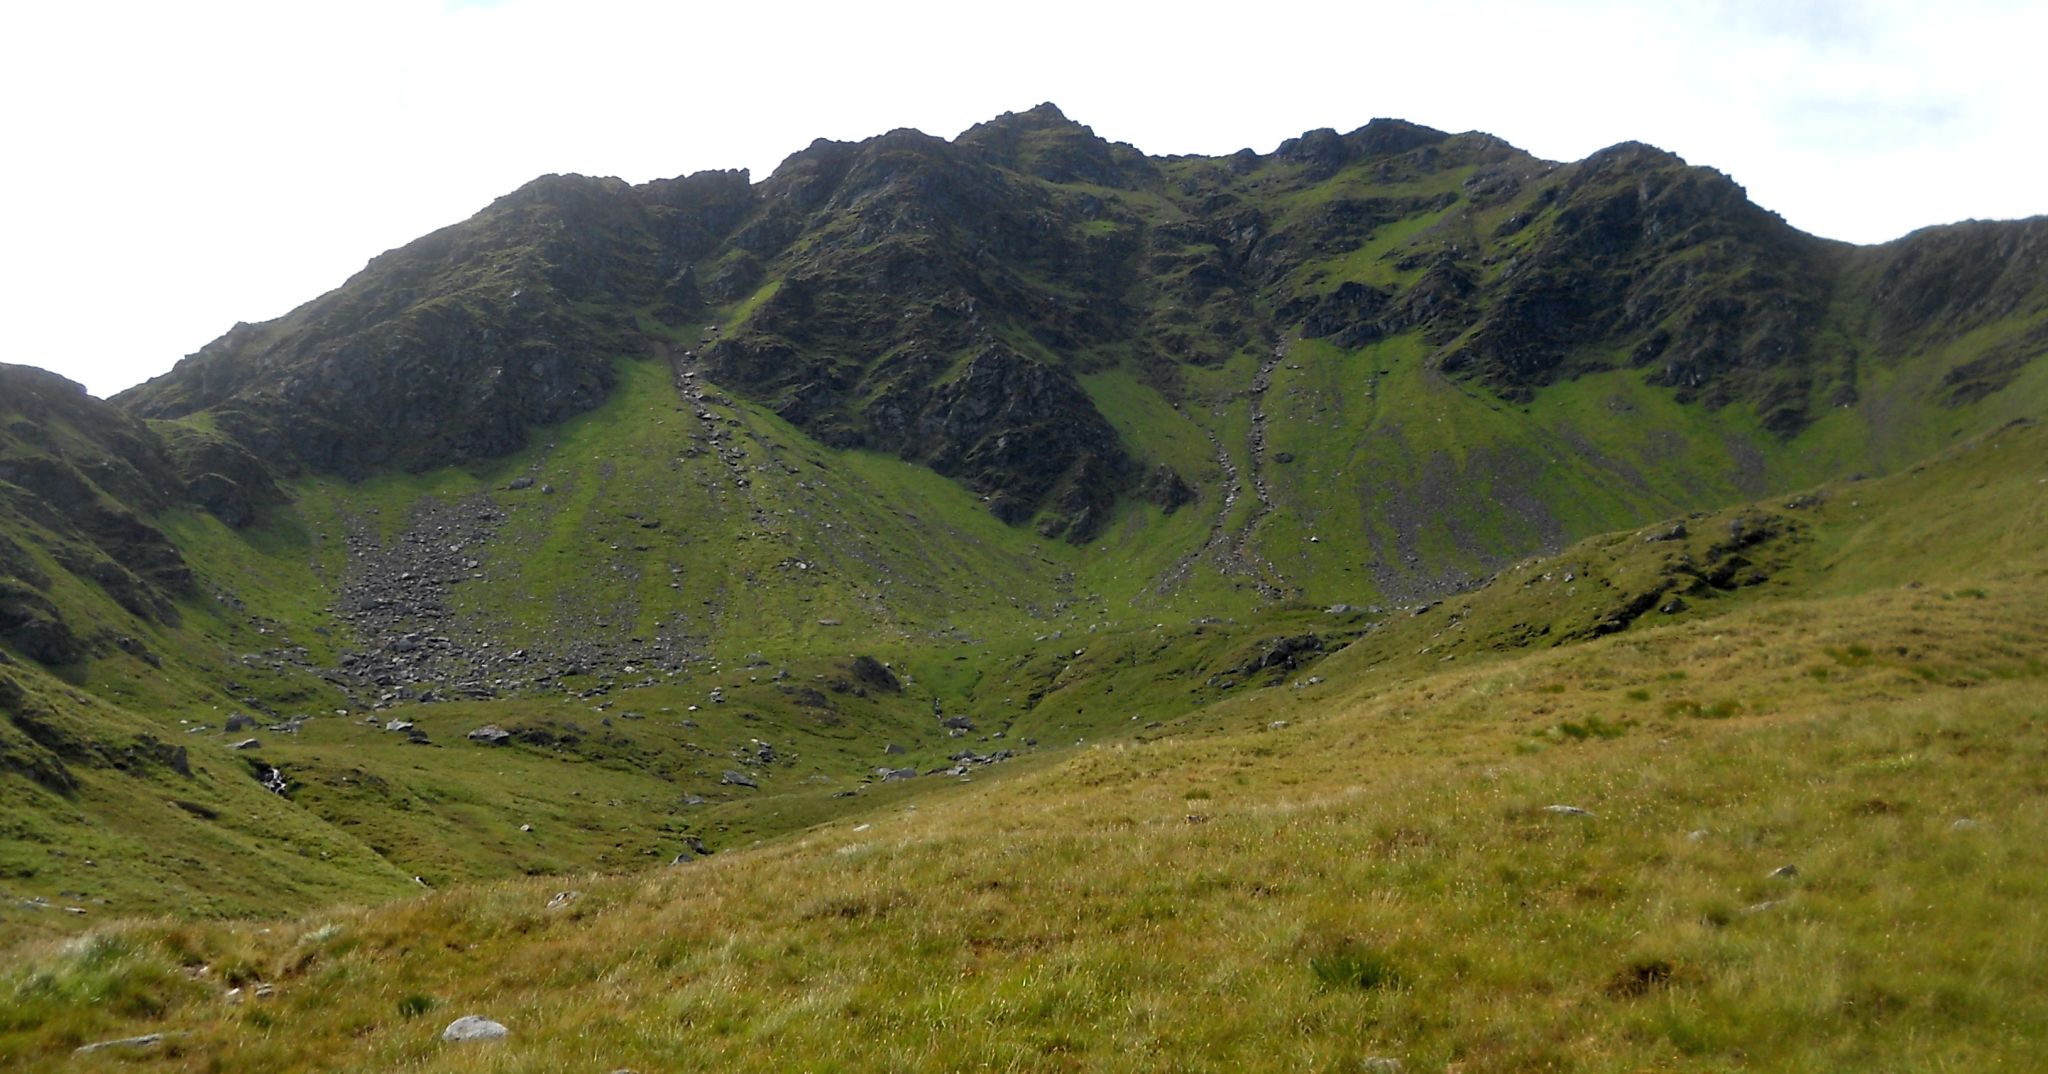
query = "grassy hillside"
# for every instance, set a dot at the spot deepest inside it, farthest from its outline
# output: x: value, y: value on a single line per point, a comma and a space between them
x: 733, y: 509
x: 1804, y: 832
x: 679, y: 544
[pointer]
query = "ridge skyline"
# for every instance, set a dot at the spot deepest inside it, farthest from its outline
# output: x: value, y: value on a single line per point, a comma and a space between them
x: 106, y: 386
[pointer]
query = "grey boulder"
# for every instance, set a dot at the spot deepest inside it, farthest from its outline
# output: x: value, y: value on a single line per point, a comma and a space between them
x: 473, y: 1027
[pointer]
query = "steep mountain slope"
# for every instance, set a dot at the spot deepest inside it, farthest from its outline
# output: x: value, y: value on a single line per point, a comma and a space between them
x: 78, y: 479
x: 960, y: 303
x: 1075, y: 442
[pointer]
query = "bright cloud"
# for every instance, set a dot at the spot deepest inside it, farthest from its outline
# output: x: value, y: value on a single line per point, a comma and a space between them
x: 176, y: 168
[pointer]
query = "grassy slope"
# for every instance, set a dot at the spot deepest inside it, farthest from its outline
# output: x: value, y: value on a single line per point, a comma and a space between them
x: 898, y: 562
x: 1307, y: 877
x: 983, y: 620
x: 1402, y: 485
x: 143, y: 838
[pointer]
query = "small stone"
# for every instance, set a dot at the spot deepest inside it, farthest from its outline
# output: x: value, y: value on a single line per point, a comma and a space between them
x: 1784, y: 872
x: 147, y: 1040
x: 1963, y: 824
x: 490, y: 735
x: 1568, y: 810
x: 738, y: 779
x: 563, y: 898
x: 473, y: 1027
x: 1381, y: 1065
x: 1276, y: 725
x: 245, y: 744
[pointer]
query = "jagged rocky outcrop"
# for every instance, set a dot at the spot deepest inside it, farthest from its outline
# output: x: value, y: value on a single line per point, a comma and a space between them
x: 1715, y: 296
x: 945, y: 300
x: 79, y: 481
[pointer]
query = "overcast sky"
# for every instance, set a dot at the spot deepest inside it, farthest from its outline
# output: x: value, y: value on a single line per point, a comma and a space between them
x: 172, y: 168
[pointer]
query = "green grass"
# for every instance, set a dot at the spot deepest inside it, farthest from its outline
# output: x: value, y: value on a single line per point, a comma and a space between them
x: 1270, y: 875
x: 745, y: 308
x: 905, y: 565
x: 1378, y: 878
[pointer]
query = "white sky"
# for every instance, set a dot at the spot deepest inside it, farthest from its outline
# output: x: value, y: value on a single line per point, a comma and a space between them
x: 174, y: 167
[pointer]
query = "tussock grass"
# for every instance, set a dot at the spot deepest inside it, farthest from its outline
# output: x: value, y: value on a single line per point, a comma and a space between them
x: 1381, y: 877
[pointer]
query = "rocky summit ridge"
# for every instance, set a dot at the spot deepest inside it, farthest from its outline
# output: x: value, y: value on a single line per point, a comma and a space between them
x: 941, y: 300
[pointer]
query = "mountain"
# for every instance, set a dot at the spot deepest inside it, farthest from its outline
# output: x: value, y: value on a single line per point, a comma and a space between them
x: 623, y: 521
x: 953, y: 302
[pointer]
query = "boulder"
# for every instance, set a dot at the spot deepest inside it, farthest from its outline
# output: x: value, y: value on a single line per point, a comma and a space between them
x: 872, y: 673
x: 1284, y: 653
x: 471, y: 1027
x: 490, y: 735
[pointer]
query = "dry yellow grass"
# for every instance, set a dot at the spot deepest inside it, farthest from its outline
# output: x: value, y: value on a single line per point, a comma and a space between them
x: 1378, y: 878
